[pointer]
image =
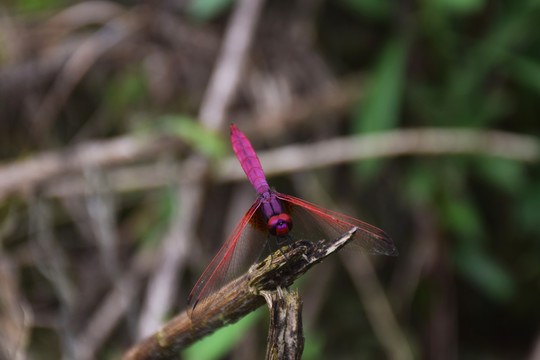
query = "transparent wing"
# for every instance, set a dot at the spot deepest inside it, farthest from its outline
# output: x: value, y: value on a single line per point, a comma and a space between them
x: 241, y: 249
x: 312, y: 222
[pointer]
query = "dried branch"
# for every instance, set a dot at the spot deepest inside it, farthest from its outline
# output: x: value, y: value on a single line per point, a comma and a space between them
x: 425, y: 141
x: 15, y: 314
x: 236, y: 299
x: 26, y: 175
x: 285, y: 338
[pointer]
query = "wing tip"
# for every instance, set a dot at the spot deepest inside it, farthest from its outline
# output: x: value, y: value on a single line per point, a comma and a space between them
x: 389, y: 248
x: 386, y: 251
x: 392, y: 250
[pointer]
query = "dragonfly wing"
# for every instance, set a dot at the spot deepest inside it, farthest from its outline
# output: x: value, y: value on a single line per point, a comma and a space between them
x: 241, y: 249
x: 313, y: 222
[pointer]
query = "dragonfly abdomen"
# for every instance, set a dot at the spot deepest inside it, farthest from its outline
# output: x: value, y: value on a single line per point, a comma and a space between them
x: 249, y: 160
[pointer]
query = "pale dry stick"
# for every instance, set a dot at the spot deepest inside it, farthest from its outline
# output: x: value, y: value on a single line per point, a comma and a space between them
x: 90, y: 12
x: 124, y: 179
x: 26, y: 175
x: 425, y: 141
x: 52, y: 262
x: 15, y: 314
x: 237, y: 298
x: 378, y: 309
x: 23, y: 176
x: 222, y: 87
x: 102, y: 215
x: 535, y: 354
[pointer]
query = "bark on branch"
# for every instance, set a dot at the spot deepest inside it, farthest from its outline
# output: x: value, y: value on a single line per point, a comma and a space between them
x: 285, y: 338
x: 237, y: 299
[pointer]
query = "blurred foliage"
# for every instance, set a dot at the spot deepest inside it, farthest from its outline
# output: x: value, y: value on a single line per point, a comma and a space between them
x: 29, y: 6
x: 313, y: 345
x: 207, y: 9
x: 195, y: 135
x: 372, y: 8
x: 466, y: 282
x: 381, y: 106
x: 124, y: 91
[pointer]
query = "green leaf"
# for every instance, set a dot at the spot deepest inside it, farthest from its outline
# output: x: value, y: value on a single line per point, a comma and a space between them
x: 461, y: 6
x: 420, y: 185
x: 461, y: 216
x: 505, y: 174
x: 193, y: 133
x: 205, y: 10
x: 220, y: 343
x: 314, y: 345
x: 526, y: 72
x: 124, y: 91
x: 377, y: 9
x: 529, y: 208
x: 381, y: 107
x: 29, y: 6
x: 485, y: 273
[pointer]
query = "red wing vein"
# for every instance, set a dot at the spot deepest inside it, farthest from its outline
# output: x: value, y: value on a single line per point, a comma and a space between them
x: 370, y: 238
x: 341, y: 218
x: 222, y: 257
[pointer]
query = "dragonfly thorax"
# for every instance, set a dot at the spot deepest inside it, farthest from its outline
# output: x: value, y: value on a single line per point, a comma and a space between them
x: 278, y: 221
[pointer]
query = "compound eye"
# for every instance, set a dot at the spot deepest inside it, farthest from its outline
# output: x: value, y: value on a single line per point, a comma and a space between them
x: 280, y: 225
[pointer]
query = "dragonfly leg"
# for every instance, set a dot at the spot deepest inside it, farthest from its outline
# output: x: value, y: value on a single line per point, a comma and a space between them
x: 267, y: 244
x: 285, y: 256
x: 284, y: 241
x: 280, y: 241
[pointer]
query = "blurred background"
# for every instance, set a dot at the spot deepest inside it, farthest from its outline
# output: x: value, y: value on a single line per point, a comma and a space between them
x: 118, y: 183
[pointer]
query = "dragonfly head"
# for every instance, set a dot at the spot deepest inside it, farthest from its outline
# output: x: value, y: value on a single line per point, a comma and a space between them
x: 280, y: 224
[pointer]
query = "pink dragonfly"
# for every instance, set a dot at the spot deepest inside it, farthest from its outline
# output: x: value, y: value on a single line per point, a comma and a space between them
x: 281, y: 216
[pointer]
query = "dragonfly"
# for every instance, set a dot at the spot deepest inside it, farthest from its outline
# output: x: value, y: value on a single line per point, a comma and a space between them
x: 283, y: 217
